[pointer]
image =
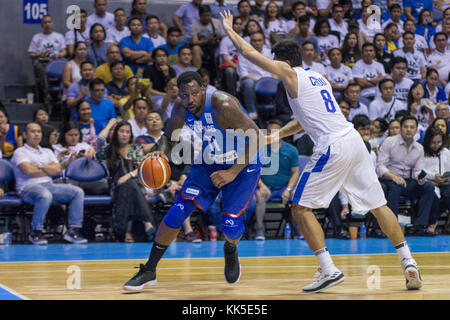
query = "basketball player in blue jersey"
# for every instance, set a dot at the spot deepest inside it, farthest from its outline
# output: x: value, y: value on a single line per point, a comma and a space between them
x: 340, y: 161
x: 227, y: 165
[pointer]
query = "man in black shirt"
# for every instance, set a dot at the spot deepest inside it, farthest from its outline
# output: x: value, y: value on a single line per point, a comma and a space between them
x: 159, y: 72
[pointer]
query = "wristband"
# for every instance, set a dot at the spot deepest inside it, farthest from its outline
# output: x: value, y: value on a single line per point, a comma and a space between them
x: 132, y: 174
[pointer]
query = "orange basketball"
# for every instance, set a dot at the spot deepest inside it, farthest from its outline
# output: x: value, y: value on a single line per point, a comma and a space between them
x: 154, y: 173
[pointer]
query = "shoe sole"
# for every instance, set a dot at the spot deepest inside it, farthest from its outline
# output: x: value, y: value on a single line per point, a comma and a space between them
x: 74, y: 241
x: 260, y: 238
x: 326, y: 284
x: 412, y: 275
x: 150, y: 283
x: 39, y: 243
x: 239, y: 277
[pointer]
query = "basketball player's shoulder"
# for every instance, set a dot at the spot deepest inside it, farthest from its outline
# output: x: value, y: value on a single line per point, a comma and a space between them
x: 223, y: 100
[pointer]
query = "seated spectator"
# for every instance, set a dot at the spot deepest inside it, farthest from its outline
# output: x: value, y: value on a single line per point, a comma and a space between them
x: 120, y: 30
x: 345, y: 108
x: 10, y: 139
x: 420, y: 44
x: 78, y: 91
x: 220, y: 6
x: 274, y: 26
x: 102, y: 109
x: 206, y: 34
x: 153, y: 29
x: 45, y: 46
x: 353, y: 27
x: 34, y: 167
x: 96, y: 51
x: 100, y: 15
x: 385, y: 106
x: 244, y: 10
x: 49, y: 136
x: 416, y: 60
x: 139, y: 11
x: 297, y: 10
x: 440, y: 58
x: 381, y: 55
x: 325, y: 40
x: 136, y: 89
x: 41, y: 116
x: 249, y: 73
x: 138, y: 125
x: 378, y: 128
x: 368, y: 26
x: 173, y: 45
x: 71, y: 72
x: 159, y: 72
x: 391, y: 36
x: 337, y: 22
x: 228, y: 59
x: 412, y: 9
x: 77, y: 35
x: 168, y: 102
x: 446, y: 14
x: 433, y: 90
x: 206, y: 80
x: 250, y: 28
x: 184, y: 61
x: 436, y: 163
x: 402, y: 83
x: 351, y: 51
x: 185, y: 17
x: 394, y: 128
x: 280, y: 184
x: 88, y: 126
x: 135, y: 49
x: 104, y: 71
x: 121, y: 158
x: 303, y: 35
x: 445, y: 29
x: 442, y: 111
x: 257, y: 10
x: 151, y: 138
x: 424, y: 25
x: 70, y: 145
x: 117, y: 88
x: 419, y: 107
x: 338, y: 74
x: 352, y: 95
x: 442, y: 125
x: 308, y: 55
x: 368, y: 73
x: 395, y: 15
x: 400, y: 160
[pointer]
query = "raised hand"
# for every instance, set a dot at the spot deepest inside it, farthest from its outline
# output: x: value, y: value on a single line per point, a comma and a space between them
x: 227, y: 19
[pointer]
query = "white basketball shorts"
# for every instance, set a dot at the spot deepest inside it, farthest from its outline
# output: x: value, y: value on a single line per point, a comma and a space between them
x: 346, y: 167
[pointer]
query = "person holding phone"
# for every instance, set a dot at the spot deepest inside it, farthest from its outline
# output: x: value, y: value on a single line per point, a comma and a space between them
x: 437, y: 168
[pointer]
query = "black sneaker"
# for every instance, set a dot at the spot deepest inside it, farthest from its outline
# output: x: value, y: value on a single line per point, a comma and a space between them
x: 73, y: 235
x: 232, y: 264
x: 36, y: 237
x: 192, y: 237
x: 143, y: 278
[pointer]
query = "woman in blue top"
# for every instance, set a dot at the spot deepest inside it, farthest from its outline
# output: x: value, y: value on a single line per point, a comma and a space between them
x: 424, y: 25
x: 9, y: 135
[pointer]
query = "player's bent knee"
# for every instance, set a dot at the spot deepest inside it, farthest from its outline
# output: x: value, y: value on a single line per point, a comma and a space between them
x: 176, y: 215
x: 233, y: 228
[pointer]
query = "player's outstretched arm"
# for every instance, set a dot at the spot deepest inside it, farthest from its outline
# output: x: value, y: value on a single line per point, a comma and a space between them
x: 292, y: 127
x: 278, y: 68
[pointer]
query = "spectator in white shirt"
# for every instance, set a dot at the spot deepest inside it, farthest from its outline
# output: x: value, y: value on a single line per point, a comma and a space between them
x: 249, y: 73
x: 416, y: 60
x: 368, y: 72
x: 446, y: 30
x: 308, y: 55
x: 184, y: 60
x: 106, y: 19
x: 273, y: 23
x: 352, y: 95
x: 298, y: 9
x: 337, y: 22
x: 395, y: 12
x: 420, y: 43
x: 419, y: 107
x: 71, y: 72
x: 369, y: 26
x: 440, y: 58
x: 402, y: 83
x: 325, y: 40
x: 75, y: 35
x: 228, y: 58
x: 45, y: 46
x: 338, y: 74
x: 141, y: 109
x: 153, y: 28
x: 120, y: 30
x: 385, y: 106
x: 34, y: 168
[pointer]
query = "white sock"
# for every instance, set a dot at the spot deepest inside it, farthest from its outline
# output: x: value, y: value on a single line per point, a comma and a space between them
x: 324, y: 258
x: 403, y: 251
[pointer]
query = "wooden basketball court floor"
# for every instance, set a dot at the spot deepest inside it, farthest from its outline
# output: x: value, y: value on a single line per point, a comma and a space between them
x: 271, y: 270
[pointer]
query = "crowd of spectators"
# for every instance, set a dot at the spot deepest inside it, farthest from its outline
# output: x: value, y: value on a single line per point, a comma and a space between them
x: 390, y: 78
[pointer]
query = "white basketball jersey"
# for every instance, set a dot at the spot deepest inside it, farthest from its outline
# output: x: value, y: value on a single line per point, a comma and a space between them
x: 316, y: 109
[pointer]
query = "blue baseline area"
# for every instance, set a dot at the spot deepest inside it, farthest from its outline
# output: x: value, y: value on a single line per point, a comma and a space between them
x: 6, y: 295
x: 211, y: 249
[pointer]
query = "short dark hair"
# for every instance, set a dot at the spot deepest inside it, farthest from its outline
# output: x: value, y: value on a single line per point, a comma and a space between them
x: 368, y: 44
x: 384, y: 125
x: 95, y: 82
x: 288, y: 50
x: 79, y: 103
x: 118, y: 9
x: 173, y: 29
x: 360, y: 120
x: 133, y: 18
x: 203, y: 72
x: 151, y: 16
x: 430, y: 71
x: 439, y: 34
x: 189, y: 76
x: 85, y: 62
x: 397, y: 60
x: 204, y: 8
x: 186, y: 46
x: 91, y: 30
x: 395, y: 6
x: 159, y: 49
x: 409, y: 117
x: 304, y: 18
x: 407, y: 32
x: 115, y: 63
x: 384, y: 81
x: 36, y: 112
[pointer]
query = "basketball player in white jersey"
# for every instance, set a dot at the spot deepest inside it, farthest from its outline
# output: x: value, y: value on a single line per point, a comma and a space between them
x: 340, y: 161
